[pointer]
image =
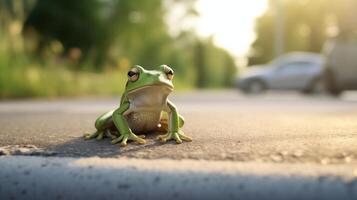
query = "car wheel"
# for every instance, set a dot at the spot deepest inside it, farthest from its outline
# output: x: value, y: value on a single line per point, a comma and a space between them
x: 255, y: 87
x: 331, y: 83
x: 316, y: 86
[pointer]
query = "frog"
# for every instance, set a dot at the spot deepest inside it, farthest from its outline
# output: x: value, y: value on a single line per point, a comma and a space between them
x: 144, y: 108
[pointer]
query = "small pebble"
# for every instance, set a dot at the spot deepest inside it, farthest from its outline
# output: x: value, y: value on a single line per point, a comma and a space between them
x: 325, y: 161
x: 276, y: 158
x: 284, y: 153
x: 348, y: 159
x: 298, y: 153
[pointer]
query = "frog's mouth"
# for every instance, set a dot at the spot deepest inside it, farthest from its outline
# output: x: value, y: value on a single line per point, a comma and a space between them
x: 164, y: 88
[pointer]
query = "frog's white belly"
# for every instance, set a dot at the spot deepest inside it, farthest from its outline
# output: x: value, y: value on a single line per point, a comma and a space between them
x: 146, y: 106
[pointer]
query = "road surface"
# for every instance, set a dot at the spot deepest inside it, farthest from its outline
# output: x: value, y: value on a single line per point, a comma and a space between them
x: 316, y: 134
x: 224, y: 125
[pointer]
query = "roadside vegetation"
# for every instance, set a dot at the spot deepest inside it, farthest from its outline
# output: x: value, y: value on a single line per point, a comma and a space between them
x: 51, y: 48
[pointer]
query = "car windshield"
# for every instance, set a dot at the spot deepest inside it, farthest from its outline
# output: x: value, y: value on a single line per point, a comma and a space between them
x: 287, y: 59
x: 280, y: 61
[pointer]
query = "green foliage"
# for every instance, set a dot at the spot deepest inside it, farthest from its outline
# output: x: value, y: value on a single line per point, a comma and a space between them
x: 210, y: 61
x: 24, y: 78
x: 85, y: 47
x: 73, y: 23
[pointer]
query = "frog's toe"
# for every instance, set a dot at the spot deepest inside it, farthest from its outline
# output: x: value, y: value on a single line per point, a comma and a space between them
x: 100, y: 136
x: 178, y: 137
x: 178, y: 140
x: 139, y: 139
x: 117, y: 140
x: 185, y: 137
x: 123, y: 139
x: 163, y: 138
x: 124, y: 142
x: 89, y: 136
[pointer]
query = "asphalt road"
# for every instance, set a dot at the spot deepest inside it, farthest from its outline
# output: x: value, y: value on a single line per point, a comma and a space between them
x: 271, y: 146
x: 275, y: 127
x: 112, y: 178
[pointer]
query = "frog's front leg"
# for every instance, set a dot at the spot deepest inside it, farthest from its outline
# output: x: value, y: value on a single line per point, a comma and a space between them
x: 123, y: 127
x: 175, y: 123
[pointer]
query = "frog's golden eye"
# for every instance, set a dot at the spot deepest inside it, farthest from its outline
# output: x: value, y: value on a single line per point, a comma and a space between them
x: 170, y: 75
x: 133, y: 74
x: 169, y: 72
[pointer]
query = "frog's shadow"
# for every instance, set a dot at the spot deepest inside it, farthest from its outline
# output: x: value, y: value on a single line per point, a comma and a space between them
x: 79, y: 147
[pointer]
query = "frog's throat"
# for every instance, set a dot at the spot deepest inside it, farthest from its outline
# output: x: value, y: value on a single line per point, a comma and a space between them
x: 169, y: 87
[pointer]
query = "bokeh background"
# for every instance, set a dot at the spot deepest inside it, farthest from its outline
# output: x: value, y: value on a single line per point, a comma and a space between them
x: 51, y: 48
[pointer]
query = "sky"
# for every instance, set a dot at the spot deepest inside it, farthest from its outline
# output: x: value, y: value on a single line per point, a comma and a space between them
x: 230, y: 22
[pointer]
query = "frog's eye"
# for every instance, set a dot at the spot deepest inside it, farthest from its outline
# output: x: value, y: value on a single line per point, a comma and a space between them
x: 133, y: 74
x: 169, y: 72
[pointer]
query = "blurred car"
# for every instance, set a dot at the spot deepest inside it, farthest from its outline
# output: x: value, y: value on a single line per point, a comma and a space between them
x: 293, y: 71
x: 340, y: 72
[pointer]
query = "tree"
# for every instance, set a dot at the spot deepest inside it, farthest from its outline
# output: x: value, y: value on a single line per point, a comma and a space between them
x: 75, y: 24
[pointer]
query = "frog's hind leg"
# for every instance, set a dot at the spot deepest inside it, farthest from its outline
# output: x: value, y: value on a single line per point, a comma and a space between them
x: 103, y: 124
x: 110, y: 133
x: 99, y: 135
x: 163, y: 125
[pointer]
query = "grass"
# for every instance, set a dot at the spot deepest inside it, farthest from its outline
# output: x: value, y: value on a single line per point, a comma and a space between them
x: 54, y: 82
x: 25, y: 80
x: 21, y: 78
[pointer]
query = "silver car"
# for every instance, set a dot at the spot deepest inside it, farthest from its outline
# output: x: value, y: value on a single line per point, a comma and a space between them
x: 293, y: 71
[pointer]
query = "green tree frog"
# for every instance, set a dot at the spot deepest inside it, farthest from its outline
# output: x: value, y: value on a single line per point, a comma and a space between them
x: 144, y: 107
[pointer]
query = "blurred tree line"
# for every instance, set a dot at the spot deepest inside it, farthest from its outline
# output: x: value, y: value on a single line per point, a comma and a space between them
x: 307, y: 25
x: 104, y: 35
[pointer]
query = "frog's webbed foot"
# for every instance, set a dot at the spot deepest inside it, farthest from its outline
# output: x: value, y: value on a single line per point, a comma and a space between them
x: 99, y: 135
x: 128, y: 136
x: 178, y: 136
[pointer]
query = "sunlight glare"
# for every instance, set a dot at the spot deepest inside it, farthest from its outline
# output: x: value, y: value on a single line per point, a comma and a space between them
x: 230, y: 22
